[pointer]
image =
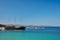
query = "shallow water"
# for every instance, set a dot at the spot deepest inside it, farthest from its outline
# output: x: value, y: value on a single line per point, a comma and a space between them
x: 46, y: 34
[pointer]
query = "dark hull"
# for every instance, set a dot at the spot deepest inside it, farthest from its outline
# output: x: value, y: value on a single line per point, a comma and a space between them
x: 20, y: 28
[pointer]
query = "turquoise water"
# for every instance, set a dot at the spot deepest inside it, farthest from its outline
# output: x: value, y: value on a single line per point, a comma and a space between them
x: 23, y: 35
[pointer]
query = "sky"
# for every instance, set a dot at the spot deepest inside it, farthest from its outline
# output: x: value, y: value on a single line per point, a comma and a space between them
x: 30, y: 12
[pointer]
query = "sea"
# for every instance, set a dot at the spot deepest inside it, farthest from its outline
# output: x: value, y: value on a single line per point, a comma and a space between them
x: 32, y: 33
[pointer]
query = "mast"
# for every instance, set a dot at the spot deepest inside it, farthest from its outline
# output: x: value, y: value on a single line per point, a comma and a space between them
x: 9, y: 20
x: 21, y: 21
x: 15, y: 20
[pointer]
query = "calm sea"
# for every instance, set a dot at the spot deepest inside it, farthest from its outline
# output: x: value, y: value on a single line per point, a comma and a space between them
x: 45, y: 33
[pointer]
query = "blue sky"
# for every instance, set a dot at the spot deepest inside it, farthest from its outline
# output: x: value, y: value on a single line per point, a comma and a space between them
x: 30, y: 12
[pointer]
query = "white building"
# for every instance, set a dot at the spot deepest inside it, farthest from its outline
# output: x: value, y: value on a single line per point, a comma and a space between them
x: 2, y: 28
